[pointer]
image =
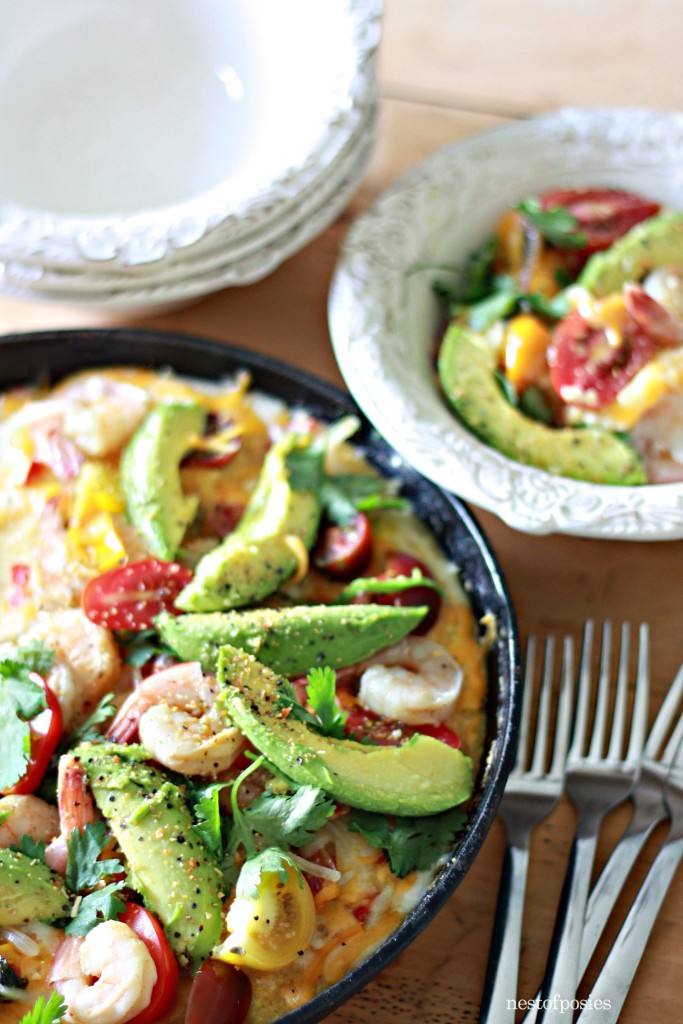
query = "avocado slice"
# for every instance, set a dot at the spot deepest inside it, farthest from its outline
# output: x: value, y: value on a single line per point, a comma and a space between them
x: 150, y: 475
x: 167, y: 861
x: 261, y: 553
x: 655, y: 242
x: 290, y: 640
x: 422, y: 776
x: 29, y: 891
x: 466, y: 369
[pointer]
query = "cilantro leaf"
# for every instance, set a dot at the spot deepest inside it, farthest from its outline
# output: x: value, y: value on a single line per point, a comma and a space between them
x: 100, y: 905
x: 474, y: 279
x: 290, y: 819
x: 287, y: 702
x: 30, y: 847
x: 140, y: 647
x: 557, y: 225
x: 269, y: 861
x: 410, y: 843
x: 321, y: 692
x: 391, y: 585
x: 20, y: 700
x: 500, y: 304
x: 83, y: 869
x: 36, y: 657
x: 343, y: 494
x: 48, y: 1011
x: 305, y: 466
x: 87, y: 731
x: 209, y: 826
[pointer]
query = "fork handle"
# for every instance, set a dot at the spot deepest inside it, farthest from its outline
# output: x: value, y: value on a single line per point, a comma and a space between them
x: 563, y: 974
x: 604, y: 896
x: 614, y: 981
x: 500, y: 988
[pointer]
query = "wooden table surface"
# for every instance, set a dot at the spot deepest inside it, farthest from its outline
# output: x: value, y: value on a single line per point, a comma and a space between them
x: 450, y: 68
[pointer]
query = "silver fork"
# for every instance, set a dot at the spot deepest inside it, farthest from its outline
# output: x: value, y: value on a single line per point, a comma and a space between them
x: 614, y: 981
x: 649, y: 810
x: 530, y: 795
x: 595, y: 782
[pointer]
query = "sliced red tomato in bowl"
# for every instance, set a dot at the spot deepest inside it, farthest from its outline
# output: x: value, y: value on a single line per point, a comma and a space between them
x: 602, y: 215
x: 131, y: 596
x: 46, y: 731
x: 587, y: 368
x: 147, y: 927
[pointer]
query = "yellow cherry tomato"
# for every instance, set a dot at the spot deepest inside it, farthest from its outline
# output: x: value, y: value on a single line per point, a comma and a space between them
x: 270, y: 931
x: 525, y: 347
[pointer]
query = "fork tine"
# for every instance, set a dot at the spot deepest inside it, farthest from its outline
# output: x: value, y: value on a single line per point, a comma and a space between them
x: 616, y: 745
x: 601, y: 706
x: 664, y: 719
x: 641, y: 699
x: 583, y: 694
x: 564, y: 709
x: 540, y: 751
x: 527, y: 701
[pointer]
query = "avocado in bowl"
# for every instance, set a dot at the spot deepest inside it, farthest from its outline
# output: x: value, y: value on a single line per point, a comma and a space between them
x: 387, y: 324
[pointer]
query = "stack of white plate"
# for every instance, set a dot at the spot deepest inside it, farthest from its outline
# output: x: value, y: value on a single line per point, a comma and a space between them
x: 153, y: 153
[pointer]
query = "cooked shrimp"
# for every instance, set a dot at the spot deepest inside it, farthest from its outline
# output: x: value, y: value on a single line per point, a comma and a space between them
x: 179, y: 722
x: 123, y: 970
x: 416, y: 681
x: 87, y: 661
x: 101, y: 414
x: 28, y: 816
x: 76, y: 808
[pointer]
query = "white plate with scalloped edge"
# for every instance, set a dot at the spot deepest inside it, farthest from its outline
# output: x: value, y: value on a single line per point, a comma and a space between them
x: 384, y: 315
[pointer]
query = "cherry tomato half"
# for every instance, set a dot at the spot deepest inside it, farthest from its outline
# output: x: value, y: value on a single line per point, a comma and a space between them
x: 344, y: 551
x: 602, y: 214
x: 586, y: 369
x: 46, y: 732
x: 147, y: 927
x: 129, y: 597
x: 220, y: 994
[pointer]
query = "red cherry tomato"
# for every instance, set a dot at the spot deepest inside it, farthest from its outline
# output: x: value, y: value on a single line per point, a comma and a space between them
x: 586, y: 370
x: 602, y: 214
x: 148, y: 928
x: 131, y: 596
x: 46, y: 732
x: 398, y: 563
x: 220, y: 994
x: 344, y: 551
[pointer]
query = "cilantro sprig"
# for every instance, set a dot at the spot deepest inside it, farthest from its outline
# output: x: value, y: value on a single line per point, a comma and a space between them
x: 83, y: 869
x: 342, y: 495
x: 327, y: 718
x: 389, y: 585
x: 410, y: 843
x: 21, y: 699
x: 557, y: 225
x: 85, y: 872
x: 269, y: 826
x: 46, y: 1011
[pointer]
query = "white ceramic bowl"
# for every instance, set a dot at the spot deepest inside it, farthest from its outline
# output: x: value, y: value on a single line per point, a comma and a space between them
x: 384, y: 314
x: 132, y: 131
